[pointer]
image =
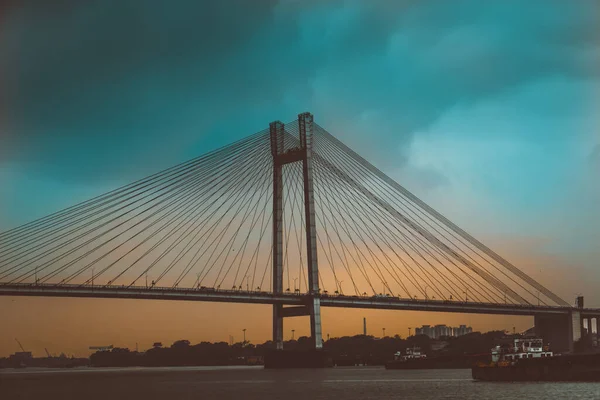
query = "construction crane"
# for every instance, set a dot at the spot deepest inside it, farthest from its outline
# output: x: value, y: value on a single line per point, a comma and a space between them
x: 20, y: 345
x: 48, y: 353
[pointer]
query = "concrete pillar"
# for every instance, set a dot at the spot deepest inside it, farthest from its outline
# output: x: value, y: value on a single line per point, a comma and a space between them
x: 575, y: 325
x: 559, y: 331
x: 276, y: 132
x: 593, y: 331
x: 305, y: 124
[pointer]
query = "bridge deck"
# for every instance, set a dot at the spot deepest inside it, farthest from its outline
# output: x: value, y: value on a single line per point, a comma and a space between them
x: 255, y: 297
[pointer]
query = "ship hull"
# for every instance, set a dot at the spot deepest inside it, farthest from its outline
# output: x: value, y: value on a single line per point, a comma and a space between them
x: 581, y: 368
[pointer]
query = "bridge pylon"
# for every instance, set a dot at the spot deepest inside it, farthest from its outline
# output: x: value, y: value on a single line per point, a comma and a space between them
x: 281, y: 157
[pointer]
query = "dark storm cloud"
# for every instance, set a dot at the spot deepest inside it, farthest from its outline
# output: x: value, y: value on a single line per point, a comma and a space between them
x: 102, y: 85
x: 96, y: 81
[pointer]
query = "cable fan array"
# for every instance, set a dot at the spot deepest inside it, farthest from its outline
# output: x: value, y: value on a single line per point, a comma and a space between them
x: 206, y: 223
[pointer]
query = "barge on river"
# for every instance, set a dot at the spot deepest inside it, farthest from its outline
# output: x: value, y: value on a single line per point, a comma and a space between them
x: 529, y: 360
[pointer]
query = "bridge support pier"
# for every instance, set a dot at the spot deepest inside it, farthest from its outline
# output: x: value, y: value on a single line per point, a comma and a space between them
x: 305, y: 122
x: 589, y: 330
x: 276, y: 132
x: 282, y: 156
x: 559, y: 331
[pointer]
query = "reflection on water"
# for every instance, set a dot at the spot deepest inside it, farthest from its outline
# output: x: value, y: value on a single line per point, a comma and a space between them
x: 351, y: 383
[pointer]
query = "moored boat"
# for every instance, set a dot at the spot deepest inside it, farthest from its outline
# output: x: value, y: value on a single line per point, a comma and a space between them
x: 414, y: 359
x: 529, y: 360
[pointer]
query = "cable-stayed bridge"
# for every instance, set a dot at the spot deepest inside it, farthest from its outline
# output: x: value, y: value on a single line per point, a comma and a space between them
x: 289, y: 216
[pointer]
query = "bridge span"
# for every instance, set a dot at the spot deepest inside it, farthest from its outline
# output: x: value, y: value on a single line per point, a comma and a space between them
x: 292, y: 215
x: 286, y: 299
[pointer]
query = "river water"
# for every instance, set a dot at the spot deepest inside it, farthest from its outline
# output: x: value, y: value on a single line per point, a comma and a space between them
x: 249, y: 383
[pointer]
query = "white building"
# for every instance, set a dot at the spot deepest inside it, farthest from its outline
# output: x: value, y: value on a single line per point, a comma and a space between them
x: 438, y: 331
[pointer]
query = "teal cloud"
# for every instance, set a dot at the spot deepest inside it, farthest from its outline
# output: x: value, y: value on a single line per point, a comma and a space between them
x: 100, y: 84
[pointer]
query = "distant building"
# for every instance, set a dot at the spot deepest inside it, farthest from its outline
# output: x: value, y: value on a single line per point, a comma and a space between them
x: 438, y: 331
x: 424, y: 330
x: 20, y: 358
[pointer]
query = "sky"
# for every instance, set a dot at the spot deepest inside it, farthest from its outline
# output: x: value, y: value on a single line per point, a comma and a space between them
x: 488, y: 111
